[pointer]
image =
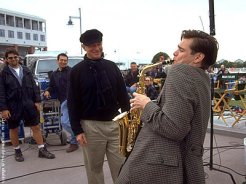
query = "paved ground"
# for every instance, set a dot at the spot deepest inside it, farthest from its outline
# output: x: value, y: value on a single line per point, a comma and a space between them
x: 228, y: 155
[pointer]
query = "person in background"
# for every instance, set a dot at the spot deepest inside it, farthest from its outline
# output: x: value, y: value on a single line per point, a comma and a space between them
x: 222, y: 71
x: 131, y: 78
x: 169, y: 146
x: 158, y: 72
x: 59, y: 85
x: 212, y: 75
x: 150, y: 91
x: 97, y: 91
x: 20, y: 100
x: 2, y: 63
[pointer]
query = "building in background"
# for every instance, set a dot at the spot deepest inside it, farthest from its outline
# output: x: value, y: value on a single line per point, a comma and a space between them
x: 26, y: 33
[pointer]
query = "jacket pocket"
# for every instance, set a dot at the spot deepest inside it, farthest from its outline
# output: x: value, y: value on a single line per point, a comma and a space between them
x: 13, y: 91
x: 29, y: 110
x: 159, y: 159
x: 15, y: 109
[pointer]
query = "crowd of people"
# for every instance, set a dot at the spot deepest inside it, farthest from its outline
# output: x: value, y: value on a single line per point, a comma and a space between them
x: 156, y: 75
x: 169, y: 145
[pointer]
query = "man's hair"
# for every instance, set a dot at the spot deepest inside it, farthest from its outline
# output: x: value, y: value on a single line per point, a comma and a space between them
x: 133, y: 63
x: 204, y: 43
x: 61, y: 54
x: 10, y: 50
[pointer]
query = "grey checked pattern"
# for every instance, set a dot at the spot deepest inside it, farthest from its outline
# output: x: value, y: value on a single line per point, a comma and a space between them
x: 169, y: 147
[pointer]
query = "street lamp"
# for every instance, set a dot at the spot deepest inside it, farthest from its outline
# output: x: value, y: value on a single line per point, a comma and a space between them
x: 70, y: 23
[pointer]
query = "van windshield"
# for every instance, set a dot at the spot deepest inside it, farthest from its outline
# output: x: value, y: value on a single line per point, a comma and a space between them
x: 47, y: 65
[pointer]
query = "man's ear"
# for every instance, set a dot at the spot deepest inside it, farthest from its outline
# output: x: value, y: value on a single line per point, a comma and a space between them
x: 83, y: 46
x: 199, y: 57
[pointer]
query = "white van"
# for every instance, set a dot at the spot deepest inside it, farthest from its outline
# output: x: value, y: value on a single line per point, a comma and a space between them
x: 30, y: 59
x: 43, y: 67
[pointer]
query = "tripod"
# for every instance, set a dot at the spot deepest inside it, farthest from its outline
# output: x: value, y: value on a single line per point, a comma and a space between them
x: 212, y: 134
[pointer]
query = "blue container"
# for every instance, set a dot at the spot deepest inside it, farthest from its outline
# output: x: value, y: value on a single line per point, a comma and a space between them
x: 5, y: 131
x: 44, y: 84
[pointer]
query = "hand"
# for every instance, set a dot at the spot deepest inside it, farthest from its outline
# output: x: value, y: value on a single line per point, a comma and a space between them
x: 6, y: 114
x: 38, y: 106
x: 47, y: 94
x: 81, y: 139
x: 139, y: 101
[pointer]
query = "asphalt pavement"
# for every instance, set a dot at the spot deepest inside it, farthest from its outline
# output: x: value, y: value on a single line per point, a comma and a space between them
x: 228, y: 156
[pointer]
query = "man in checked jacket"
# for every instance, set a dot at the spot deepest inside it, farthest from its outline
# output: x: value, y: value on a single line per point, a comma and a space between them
x: 169, y: 147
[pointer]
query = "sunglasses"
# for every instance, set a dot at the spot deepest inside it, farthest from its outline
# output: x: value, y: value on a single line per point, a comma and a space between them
x: 11, y: 58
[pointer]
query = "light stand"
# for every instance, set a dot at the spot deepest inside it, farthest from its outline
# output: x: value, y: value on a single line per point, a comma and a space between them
x: 212, y: 32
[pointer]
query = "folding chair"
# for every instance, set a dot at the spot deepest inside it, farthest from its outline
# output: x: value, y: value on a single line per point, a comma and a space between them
x: 216, y: 84
x: 239, y: 95
x: 223, y: 96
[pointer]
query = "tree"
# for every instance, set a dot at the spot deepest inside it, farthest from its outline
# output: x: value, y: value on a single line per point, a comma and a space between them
x: 157, y: 57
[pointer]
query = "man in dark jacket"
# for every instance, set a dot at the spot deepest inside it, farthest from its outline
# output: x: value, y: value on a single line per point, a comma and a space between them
x: 150, y: 90
x: 59, y: 85
x: 223, y: 71
x: 20, y: 100
x: 131, y: 79
x: 96, y: 93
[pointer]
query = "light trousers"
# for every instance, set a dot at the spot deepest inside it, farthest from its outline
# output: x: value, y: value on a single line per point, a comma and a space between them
x: 102, y: 139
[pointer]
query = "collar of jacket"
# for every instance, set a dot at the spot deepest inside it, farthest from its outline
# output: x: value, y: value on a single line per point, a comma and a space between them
x: 88, y: 59
x: 64, y: 69
x: 7, y: 70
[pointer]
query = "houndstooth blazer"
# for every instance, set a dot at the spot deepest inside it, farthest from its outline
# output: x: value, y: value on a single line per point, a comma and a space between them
x: 169, y: 147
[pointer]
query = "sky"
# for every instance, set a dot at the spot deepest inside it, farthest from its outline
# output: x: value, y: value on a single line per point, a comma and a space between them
x: 138, y: 29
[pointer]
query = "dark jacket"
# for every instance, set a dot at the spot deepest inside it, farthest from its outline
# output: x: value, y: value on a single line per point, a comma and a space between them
x: 220, y: 73
x: 59, y: 83
x: 96, y: 92
x: 151, y: 92
x: 18, y: 99
x: 156, y: 73
x: 131, y: 78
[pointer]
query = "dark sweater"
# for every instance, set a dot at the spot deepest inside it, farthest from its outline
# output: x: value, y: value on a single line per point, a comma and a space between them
x: 151, y: 92
x: 131, y: 78
x: 59, y: 83
x: 96, y: 92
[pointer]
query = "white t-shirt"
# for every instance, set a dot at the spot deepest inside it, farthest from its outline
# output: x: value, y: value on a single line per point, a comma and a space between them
x: 17, y: 70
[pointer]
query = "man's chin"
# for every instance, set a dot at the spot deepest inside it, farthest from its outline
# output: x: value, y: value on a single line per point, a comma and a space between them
x: 97, y: 56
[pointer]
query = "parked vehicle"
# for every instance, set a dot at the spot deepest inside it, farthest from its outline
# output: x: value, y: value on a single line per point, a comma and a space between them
x: 30, y: 59
x: 42, y: 68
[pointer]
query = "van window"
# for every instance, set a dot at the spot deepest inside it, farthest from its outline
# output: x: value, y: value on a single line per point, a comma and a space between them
x: 46, y: 65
